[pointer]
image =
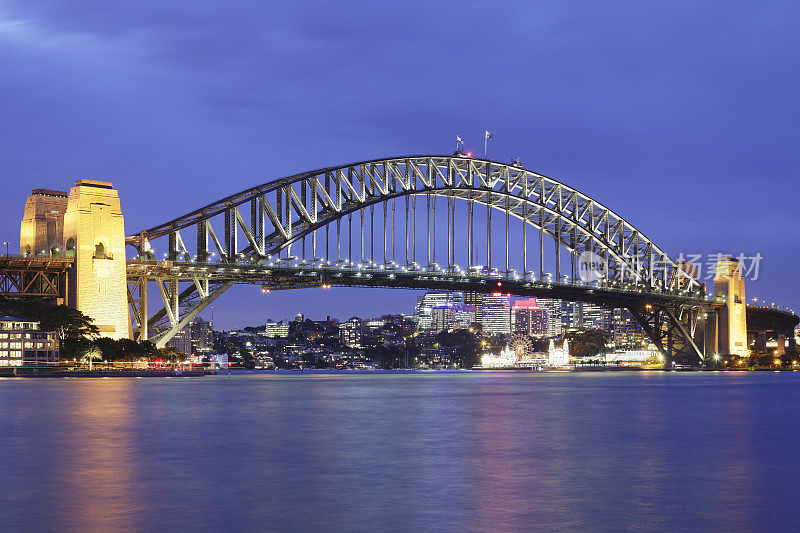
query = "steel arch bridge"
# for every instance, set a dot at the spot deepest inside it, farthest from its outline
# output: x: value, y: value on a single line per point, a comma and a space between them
x: 519, y: 232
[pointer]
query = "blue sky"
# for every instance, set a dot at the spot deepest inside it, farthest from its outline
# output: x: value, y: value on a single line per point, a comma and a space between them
x: 681, y: 116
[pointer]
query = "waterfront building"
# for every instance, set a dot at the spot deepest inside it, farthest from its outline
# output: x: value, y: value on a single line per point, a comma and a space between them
x: 182, y: 341
x: 634, y: 357
x: 350, y: 332
x: 558, y: 357
x: 202, y: 335
x: 496, y: 314
x: 219, y: 360
x: 23, y: 343
x: 276, y: 330
x: 528, y: 318
x: 507, y: 358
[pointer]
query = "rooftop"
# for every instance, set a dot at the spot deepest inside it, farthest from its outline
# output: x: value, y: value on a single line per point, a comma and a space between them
x: 16, y: 319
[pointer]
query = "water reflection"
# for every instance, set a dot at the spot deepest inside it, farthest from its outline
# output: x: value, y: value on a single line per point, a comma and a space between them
x: 401, y: 452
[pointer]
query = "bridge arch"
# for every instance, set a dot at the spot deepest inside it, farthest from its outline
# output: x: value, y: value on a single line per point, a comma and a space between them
x: 258, y: 227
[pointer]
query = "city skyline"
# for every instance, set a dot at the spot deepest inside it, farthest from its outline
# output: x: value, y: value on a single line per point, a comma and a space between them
x: 653, y: 130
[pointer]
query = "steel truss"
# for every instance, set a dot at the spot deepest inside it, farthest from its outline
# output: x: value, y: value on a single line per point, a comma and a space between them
x: 33, y: 277
x: 287, y: 218
x: 672, y: 328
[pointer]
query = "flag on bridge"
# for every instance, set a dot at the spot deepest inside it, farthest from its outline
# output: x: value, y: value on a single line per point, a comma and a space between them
x: 489, y: 135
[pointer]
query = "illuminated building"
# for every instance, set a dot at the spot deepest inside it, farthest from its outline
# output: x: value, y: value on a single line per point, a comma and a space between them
x: 443, y: 317
x: 507, y: 358
x: 558, y: 357
x: 496, y: 314
x: 350, y: 332
x: 423, y: 311
x: 553, y: 308
x: 276, y: 330
x: 202, y: 335
x: 570, y: 315
x: 23, y: 343
x: 475, y: 299
x: 182, y: 341
x: 529, y: 318
x: 593, y: 316
x: 627, y: 332
x: 464, y: 316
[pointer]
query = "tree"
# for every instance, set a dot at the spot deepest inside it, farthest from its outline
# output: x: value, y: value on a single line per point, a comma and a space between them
x: 587, y: 343
x: 74, y: 328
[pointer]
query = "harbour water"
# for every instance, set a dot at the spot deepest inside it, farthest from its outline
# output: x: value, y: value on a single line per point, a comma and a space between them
x: 415, y: 451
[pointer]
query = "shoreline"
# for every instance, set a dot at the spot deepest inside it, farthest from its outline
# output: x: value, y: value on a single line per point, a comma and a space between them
x: 37, y: 372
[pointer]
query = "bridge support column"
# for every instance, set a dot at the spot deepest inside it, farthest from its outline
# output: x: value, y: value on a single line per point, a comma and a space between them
x: 710, y: 335
x: 143, y: 314
x: 729, y: 289
x: 781, y: 349
x: 671, y: 331
x: 94, y: 231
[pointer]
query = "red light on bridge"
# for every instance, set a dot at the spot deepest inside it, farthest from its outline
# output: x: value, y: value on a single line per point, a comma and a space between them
x: 469, y: 154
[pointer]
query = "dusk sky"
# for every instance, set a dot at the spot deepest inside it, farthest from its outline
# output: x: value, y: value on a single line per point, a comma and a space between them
x: 681, y: 116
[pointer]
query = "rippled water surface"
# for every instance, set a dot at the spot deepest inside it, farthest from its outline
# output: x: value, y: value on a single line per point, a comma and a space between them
x: 387, y: 452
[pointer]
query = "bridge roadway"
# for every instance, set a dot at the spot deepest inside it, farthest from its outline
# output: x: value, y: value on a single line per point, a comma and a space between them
x: 282, y: 276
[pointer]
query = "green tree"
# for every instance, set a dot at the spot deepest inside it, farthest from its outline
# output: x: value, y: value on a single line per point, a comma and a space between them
x: 587, y: 343
x: 74, y: 328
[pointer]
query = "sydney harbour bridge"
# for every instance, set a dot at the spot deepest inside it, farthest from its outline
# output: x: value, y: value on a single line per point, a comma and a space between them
x: 428, y: 221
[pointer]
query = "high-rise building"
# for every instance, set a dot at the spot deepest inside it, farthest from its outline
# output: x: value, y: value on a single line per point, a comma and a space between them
x: 197, y: 337
x: 627, y: 333
x: 442, y: 317
x: 423, y: 311
x: 350, y: 332
x: 496, y: 314
x: 464, y: 316
x: 182, y: 341
x: 553, y: 308
x: 202, y: 335
x: 528, y: 318
x: 475, y: 299
x: 570, y: 315
x: 595, y: 316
